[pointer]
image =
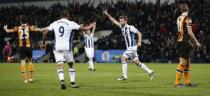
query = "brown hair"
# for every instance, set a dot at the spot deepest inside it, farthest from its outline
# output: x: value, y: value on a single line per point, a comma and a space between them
x: 124, y: 17
x: 184, y: 7
x: 65, y: 13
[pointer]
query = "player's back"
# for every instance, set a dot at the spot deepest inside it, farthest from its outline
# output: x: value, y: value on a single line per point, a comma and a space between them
x: 23, y: 32
x: 63, y: 33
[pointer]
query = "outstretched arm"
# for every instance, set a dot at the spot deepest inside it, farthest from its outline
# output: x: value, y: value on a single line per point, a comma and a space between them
x: 44, y: 36
x: 111, y: 18
x: 94, y: 28
x: 8, y: 30
x: 34, y: 28
x: 84, y: 28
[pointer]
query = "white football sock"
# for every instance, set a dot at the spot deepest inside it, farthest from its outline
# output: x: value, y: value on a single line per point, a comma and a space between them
x: 60, y: 74
x: 124, y: 69
x: 145, y: 68
x: 91, y: 64
x: 72, y: 74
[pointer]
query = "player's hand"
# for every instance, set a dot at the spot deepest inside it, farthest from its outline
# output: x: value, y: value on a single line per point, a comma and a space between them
x: 92, y: 25
x: 198, y: 45
x: 105, y: 12
x: 139, y: 44
x: 43, y: 46
x: 5, y: 27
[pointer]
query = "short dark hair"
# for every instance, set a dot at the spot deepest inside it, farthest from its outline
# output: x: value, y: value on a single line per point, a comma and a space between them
x: 124, y: 17
x: 183, y: 7
x: 65, y: 13
x: 23, y: 19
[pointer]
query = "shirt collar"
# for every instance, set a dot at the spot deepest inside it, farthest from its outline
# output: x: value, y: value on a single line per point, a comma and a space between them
x: 125, y: 25
x: 185, y: 13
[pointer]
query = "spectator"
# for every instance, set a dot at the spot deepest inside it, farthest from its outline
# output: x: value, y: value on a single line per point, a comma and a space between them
x: 7, y: 51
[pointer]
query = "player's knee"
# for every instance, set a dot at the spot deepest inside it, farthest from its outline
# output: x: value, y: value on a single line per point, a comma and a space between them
x: 183, y: 61
x: 90, y: 59
x: 71, y: 64
x: 136, y: 62
x: 123, y: 59
x: 23, y: 62
x: 60, y: 65
x: 29, y: 60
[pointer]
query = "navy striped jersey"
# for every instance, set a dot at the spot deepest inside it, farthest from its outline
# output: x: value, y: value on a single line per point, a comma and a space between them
x: 88, y: 39
x: 129, y: 33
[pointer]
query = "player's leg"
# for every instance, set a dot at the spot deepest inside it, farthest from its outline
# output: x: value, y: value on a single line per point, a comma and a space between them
x: 72, y: 73
x: 31, y: 65
x: 90, y: 57
x: 31, y: 69
x: 142, y: 65
x: 23, y: 70
x: 91, y: 65
x: 23, y: 63
x: 89, y: 53
x: 187, y: 73
x: 60, y: 73
x: 59, y: 56
x: 184, y: 52
x: 86, y: 52
x: 186, y: 68
x: 182, y: 63
x: 124, y: 59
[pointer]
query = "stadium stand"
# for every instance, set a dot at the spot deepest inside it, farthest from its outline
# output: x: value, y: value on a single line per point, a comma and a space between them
x: 156, y: 21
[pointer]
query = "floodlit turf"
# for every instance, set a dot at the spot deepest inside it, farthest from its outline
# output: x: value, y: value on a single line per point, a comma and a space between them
x: 103, y: 82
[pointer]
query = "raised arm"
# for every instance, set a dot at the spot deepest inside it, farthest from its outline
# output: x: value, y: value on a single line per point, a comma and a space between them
x: 8, y: 30
x: 84, y: 28
x: 111, y: 18
x: 139, y: 35
x: 94, y: 28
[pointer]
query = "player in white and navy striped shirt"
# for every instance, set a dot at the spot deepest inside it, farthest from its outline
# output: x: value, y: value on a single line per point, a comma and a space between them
x: 129, y: 32
x: 89, y: 47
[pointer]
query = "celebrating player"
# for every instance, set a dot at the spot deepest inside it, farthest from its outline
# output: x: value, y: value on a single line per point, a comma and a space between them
x: 25, y: 50
x: 63, y: 45
x: 89, y: 46
x: 129, y: 33
x: 185, y: 38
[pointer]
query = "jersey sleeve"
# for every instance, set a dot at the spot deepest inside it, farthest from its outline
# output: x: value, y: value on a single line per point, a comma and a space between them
x: 15, y: 29
x: 50, y: 28
x: 75, y: 26
x: 133, y: 29
x: 188, y: 21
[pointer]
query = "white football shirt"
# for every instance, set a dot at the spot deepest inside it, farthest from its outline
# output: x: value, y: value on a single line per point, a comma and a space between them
x: 63, y: 33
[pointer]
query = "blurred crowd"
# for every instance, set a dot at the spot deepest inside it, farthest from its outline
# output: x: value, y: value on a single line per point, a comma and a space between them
x: 157, y: 23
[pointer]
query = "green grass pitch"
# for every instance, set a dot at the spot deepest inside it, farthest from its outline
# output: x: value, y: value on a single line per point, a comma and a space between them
x: 103, y: 82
